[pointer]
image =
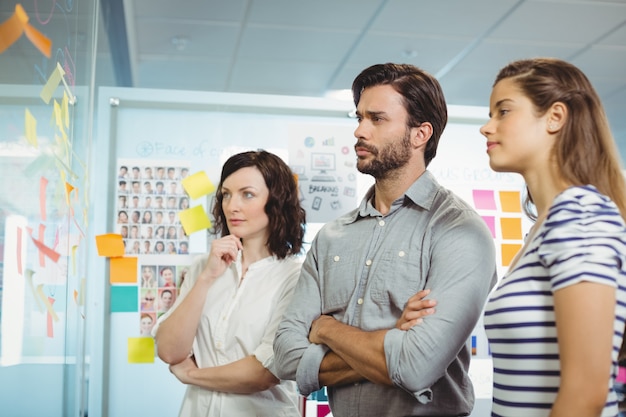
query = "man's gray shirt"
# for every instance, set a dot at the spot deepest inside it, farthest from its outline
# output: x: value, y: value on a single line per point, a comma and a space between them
x: 362, y: 268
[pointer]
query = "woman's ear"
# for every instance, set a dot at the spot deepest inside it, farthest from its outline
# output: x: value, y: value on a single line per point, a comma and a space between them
x: 556, y: 117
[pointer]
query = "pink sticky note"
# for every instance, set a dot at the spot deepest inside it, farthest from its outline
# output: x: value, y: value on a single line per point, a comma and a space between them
x: 491, y: 224
x: 484, y: 199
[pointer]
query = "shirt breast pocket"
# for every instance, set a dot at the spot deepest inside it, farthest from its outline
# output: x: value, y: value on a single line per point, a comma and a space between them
x: 396, y: 277
x: 340, y: 273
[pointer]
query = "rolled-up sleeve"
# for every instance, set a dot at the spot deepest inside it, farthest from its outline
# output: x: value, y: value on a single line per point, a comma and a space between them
x: 459, y: 259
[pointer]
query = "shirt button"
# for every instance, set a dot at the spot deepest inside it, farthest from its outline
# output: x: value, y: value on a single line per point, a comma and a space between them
x: 219, y: 345
x: 368, y: 262
x: 359, y: 301
x: 336, y: 258
x: 401, y: 253
x: 381, y: 222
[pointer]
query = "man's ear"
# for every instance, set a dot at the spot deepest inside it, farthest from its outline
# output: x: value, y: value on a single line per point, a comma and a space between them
x: 556, y: 117
x: 420, y: 134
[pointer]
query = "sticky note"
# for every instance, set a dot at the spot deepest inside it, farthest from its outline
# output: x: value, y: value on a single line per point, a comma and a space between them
x: 45, y: 250
x: 509, y: 250
x: 140, y: 350
x: 30, y: 128
x: 194, y: 219
x: 13, y: 28
x: 510, y: 201
x: 51, y: 85
x: 110, y: 244
x: 511, y: 227
x: 484, y: 199
x: 47, y: 303
x: 124, y: 299
x: 491, y: 224
x: 123, y: 270
x: 198, y: 185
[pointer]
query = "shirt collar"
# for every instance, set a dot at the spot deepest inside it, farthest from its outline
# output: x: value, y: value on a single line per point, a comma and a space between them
x: 421, y: 193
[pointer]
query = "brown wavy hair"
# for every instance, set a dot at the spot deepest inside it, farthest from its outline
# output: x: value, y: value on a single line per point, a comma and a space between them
x: 287, y: 218
x: 421, y: 93
x: 585, y: 151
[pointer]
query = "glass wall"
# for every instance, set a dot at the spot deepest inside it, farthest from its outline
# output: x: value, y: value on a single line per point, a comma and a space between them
x: 46, y: 113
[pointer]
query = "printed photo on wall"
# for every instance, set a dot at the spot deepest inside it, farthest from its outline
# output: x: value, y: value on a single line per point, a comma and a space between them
x: 322, y: 157
x: 160, y: 279
x: 148, y: 199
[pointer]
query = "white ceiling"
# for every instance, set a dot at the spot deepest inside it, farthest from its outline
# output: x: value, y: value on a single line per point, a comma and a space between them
x: 305, y: 48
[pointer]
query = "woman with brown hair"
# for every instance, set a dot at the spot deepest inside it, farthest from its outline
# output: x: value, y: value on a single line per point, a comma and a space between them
x: 232, y: 300
x: 556, y: 321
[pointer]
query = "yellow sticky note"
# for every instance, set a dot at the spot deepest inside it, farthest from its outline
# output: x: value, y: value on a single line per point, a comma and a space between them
x: 509, y: 250
x: 140, y: 350
x: 123, y: 270
x: 510, y: 201
x: 110, y: 244
x: 198, y: 185
x: 51, y: 85
x: 511, y: 227
x: 65, y: 111
x: 194, y: 219
x: 30, y: 128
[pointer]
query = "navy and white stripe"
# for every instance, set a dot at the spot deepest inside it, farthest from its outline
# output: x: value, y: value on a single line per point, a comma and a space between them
x: 582, y: 239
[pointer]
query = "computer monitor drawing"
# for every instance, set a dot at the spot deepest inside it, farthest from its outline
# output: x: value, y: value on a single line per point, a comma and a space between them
x: 322, y: 163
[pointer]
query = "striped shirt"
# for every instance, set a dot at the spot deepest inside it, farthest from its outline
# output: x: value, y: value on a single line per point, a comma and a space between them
x: 582, y: 239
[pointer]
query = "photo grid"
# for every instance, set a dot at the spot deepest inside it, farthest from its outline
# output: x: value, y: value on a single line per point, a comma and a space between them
x: 148, y: 200
x: 159, y: 288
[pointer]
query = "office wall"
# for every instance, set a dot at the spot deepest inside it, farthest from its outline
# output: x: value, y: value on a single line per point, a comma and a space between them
x: 200, y: 130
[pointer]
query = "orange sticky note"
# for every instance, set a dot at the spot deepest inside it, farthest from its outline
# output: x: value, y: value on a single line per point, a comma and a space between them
x: 510, y: 201
x: 13, y: 28
x: 198, y: 185
x: 68, y: 189
x: 123, y: 270
x: 140, y: 350
x: 509, y: 250
x: 511, y: 227
x: 38, y: 39
x: 110, y: 244
x: 30, y: 128
x: 194, y: 219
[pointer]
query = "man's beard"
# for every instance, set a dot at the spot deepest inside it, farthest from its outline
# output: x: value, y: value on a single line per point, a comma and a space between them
x: 386, y: 160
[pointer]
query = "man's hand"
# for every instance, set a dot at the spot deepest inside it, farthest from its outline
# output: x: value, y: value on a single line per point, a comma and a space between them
x: 316, y: 327
x: 414, y: 311
x: 181, y: 370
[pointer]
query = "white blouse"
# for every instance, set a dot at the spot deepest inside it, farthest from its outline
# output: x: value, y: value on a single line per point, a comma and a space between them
x: 239, y: 319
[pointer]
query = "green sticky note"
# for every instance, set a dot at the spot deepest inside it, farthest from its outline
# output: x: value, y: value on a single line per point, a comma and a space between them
x: 124, y: 299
